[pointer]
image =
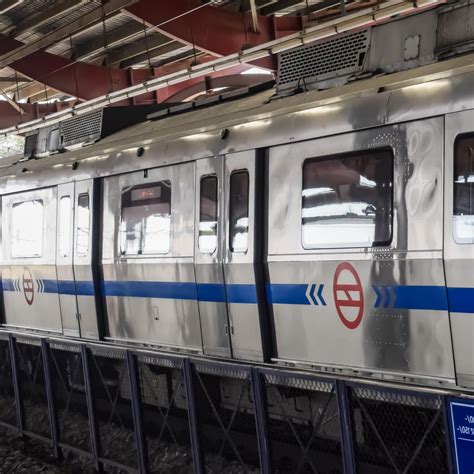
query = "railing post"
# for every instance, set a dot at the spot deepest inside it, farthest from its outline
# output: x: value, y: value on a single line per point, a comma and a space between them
x: 134, y: 380
x: 53, y: 419
x: 345, y: 420
x: 446, y: 423
x: 93, y: 430
x: 192, y: 417
x: 260, y: 411
x: 16, y: 384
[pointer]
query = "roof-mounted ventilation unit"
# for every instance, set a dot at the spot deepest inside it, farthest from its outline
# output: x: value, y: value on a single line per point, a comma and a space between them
x: 336, y: 57
x: 337, y: 60
x: 455, y: 33
x: 85, y: 129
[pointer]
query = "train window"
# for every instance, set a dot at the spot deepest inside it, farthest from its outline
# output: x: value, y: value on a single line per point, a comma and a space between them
x: 347, y: 200
x: 207, y: 241
x: 463, y: 212
x: 145, y: 226
x: 27, y: 229
x: 64, y: 230
x: 239, y: 212
x: 83, y: 224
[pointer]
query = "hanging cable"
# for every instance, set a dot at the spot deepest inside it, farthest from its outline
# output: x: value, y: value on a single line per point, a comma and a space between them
x: 147, y: 45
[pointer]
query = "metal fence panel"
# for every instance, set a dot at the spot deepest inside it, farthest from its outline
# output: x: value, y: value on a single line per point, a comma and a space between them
x: 110, y: 386
x: 70, y: 396
x: 303, y: 424
x: 150, y: 412
x: 165, y: 414
x: 226, y: 418
x: 398, y: 431
x: 32, y: 387
x: 8, y: 407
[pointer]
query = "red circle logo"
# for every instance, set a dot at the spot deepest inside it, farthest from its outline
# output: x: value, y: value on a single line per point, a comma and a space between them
x: 348, y: 295
x: 28, y: 287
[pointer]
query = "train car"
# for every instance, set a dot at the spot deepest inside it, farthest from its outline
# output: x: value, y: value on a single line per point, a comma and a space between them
x: 331, y: 230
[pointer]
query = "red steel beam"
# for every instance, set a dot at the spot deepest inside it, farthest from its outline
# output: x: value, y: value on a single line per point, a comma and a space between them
x: 213, y: 30
x: 217, y: 31
x: 78, y: 79
x: 210, y: 29
x: 9, y: 116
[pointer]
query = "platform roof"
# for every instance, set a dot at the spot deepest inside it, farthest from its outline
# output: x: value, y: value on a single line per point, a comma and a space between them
x: 57, y: 53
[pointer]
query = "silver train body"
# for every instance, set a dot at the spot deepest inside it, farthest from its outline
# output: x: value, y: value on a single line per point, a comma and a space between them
x: 296, y: 273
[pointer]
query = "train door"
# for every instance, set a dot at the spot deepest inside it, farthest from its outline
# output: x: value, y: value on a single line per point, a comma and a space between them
x: 355, y: 242
x: 209, y: 257
x: 64, y: 261
x: 29, y: 253
x: 85, y: 258
x: 242, y: 258
x: 459, y: 239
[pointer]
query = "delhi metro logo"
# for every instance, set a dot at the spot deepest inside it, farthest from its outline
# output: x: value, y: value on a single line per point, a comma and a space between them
x: 348, y: 295
x: 28, y: 287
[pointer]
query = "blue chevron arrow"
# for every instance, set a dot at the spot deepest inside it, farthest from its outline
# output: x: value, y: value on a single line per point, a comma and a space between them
x: 311, y: 294
x: 379, y: 299
x: 386, y: 296
x: 320, y: 295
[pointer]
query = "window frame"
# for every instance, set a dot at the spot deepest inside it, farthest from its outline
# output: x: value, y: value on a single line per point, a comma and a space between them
x: 235, y: 172
x: 127, y: 190
x: 76, y: 225
x: 70, y: 227
x: 458, y: 138
x: 16, y: 204
x: 341, y: 156
x: 203, y: 178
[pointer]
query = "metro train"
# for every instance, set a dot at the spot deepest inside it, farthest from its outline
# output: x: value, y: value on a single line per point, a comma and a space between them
x: 329, y: 230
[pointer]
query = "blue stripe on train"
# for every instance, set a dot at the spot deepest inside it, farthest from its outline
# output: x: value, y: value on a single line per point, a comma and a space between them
x: 212, y: 292
x: 421, y: 297
x: 434, y: 298
x: 282, y: 293
x: 49, y: 286
x: 216, y: 293
x: 8, y: 285
x: 150, y: 289
x: 80, y: 288
x: 246, y: 294
x: 461, y: 300
x: 233, y: 293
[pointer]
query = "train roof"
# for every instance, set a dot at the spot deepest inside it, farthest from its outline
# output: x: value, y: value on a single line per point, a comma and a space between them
x: 256, y: 121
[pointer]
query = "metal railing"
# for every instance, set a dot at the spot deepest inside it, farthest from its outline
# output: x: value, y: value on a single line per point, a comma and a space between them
x: 152, y: 412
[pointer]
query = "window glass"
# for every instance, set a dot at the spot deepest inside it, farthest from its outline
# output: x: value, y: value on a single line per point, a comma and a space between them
x: 463, y: 212
x: 27, y: 229
x: 145, y: 226
x: 207, y: 241
x: 347, y: 200
x: 64, y: 230
x: 239, y: 212
x: 83, y: 224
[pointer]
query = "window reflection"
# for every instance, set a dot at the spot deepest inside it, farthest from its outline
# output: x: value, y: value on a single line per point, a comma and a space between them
x: 207, y: 241
x: 64, y: 232
x: 27, y: 229
x: 347, y: 200
x: 239, y: 212
x: 463, y: 212
x: 83, y: 224
x: 145, y: 227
